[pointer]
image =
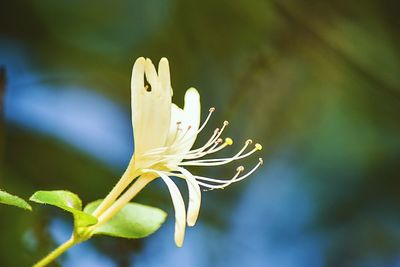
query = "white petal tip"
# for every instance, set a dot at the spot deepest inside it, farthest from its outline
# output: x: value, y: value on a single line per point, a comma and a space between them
x: 192, y: 96
x: 164, y: 75
x: 180, y: 233
x: 148, y: 61
x: 191, y: 220
x: 138, y: 67
x: 179, y: 243
x: 140, y: 60
x: 138, y: 74
x: 163, y: 68
x: 163, y: 60
x: 192, y: 90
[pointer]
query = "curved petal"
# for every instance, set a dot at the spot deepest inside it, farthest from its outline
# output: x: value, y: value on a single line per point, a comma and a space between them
x: 192, y: 107
x: 151, y: 74
x: 164, y: 74
x: 182, y: 137
x: 177, y: 117
x: 192, y: 111
x: 179, y: 206
x: 194, y: 196
x: 151, y: 107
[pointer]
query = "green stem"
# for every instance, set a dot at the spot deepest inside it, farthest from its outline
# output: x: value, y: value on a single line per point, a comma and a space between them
x: 128, y: 176
x: 56, y: 253
x: 106, y: 210
x: 127, y: 196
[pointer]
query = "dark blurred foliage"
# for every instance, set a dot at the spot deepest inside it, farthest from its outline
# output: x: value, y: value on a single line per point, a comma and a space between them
x: 316, y: 82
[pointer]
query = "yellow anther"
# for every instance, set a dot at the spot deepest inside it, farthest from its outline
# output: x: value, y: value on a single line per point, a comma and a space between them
x: 258, y: 146
x: 226, y: 123
x: 228, y: 141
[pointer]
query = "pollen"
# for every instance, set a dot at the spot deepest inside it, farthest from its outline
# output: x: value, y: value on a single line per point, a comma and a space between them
x: 258, y: 146
x: 228, y: 141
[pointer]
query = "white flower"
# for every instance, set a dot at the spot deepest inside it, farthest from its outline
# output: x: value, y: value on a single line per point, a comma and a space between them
x: 164, y: 135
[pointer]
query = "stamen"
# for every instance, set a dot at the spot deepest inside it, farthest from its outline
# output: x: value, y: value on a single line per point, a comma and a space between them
x: 159, y: 150
x: 216, y: 143
x: 222, y: 161
x: 182, y: 142
x: 260, y: 162
x: 229, y: 141
x: 219, y: 132
x: 215, y: 136
x: 239, y: 170
x: 213, y: 149
x: 178, y: 124
x: 184, y: 134
x: 235, y: 179
x: 210, y: 111
x: 218, y: 181
x: 207, y: 144
x: 223, y: 182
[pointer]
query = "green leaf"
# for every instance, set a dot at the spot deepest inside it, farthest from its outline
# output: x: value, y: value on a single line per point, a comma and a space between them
x: 133, y: 221
x: 9, y: 199
x: 67, y: 201
x: 63, y: 199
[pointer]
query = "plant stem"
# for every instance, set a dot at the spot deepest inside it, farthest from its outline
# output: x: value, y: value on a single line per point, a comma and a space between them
x: 135, y: 188
x: 128, y: 176
x: 107, y: 209
x: 56, y: 253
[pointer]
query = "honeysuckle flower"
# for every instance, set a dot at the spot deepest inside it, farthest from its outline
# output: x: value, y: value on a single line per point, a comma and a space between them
x: 164, y: 135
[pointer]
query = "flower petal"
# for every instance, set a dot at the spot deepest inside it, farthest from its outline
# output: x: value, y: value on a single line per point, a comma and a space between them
x: 151, y: 74
x: 151, y: 108
x: 181, y: 139
x: 192, y: 106
x: 192, y: 110
x: 177, y: 116
x: 194, y: 196
x: 179, y: 206
x: 164, y: 74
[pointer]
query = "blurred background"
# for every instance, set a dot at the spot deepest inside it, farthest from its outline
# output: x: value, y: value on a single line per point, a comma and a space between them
x: 316, y: 82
